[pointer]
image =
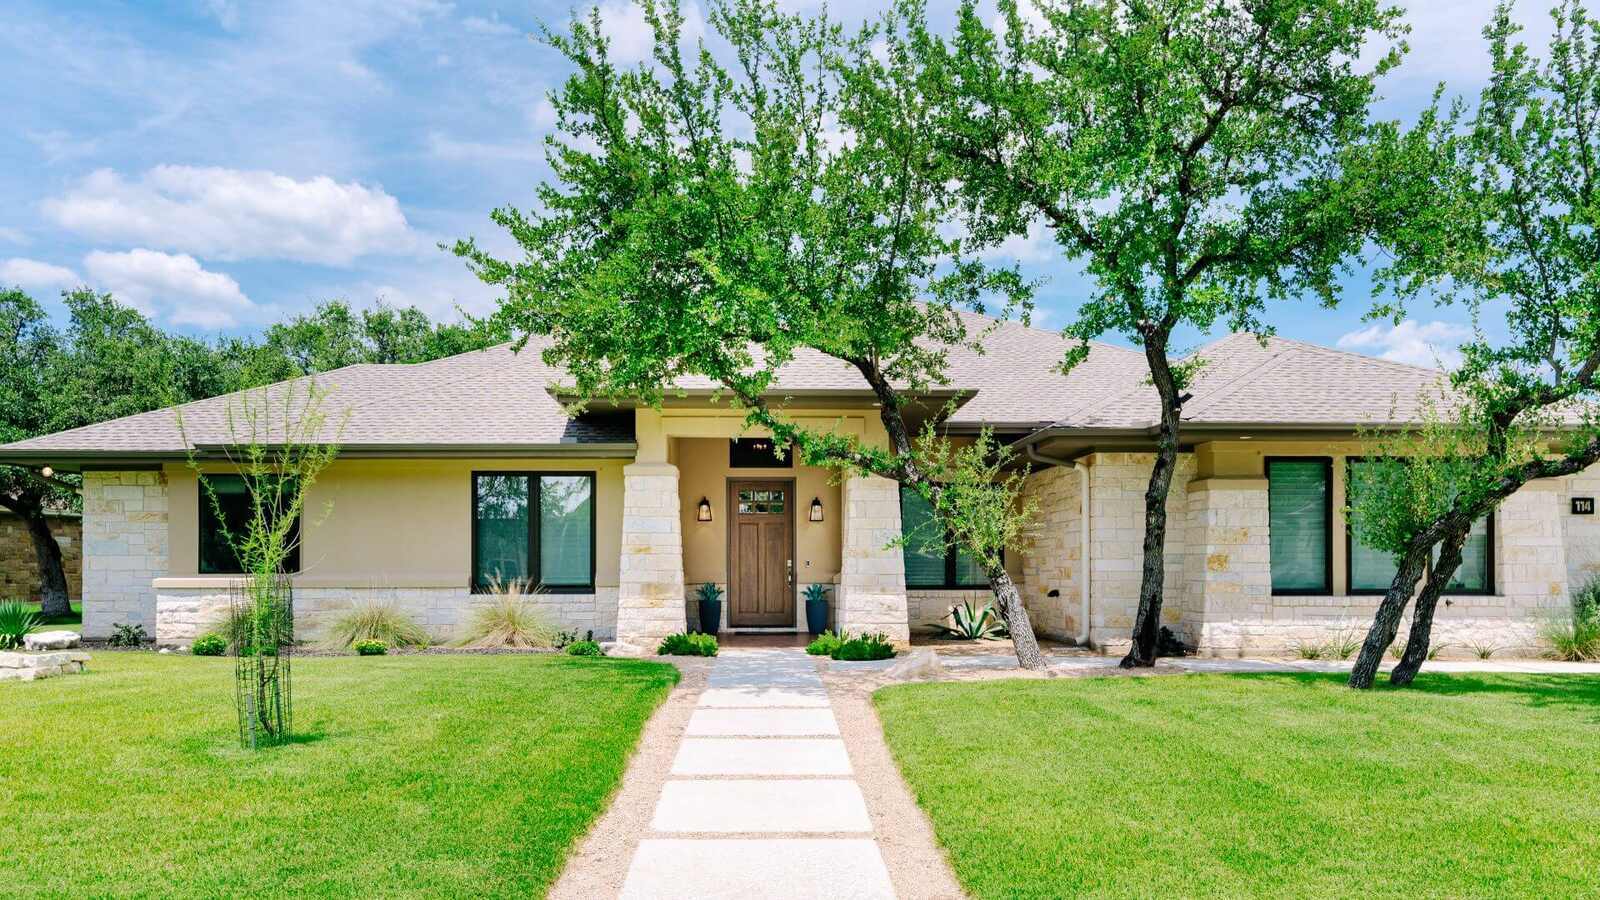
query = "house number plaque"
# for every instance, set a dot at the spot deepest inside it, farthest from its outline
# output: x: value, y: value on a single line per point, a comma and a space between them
x: 1583, y: 506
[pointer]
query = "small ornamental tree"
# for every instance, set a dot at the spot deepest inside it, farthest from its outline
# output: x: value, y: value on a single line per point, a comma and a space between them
x: 1185, y: 152
x: 720, y: 220
x: 280, y: 440
x: 1515, y: 220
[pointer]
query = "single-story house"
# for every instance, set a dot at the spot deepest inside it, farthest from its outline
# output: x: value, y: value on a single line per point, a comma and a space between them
x: 466, y: 471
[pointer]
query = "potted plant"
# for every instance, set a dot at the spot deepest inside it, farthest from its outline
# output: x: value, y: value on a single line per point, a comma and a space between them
x: 710, y: 608
x: 816, y: 608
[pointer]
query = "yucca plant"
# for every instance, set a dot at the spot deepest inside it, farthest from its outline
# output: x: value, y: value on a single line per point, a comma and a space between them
x: 971, y: 622
x: 16, y: 620
x: 508, y: 621
x: 375, y: 620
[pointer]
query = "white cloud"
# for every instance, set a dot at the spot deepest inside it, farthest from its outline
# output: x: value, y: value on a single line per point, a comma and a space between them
x: 36, y: 276
x: 1432, y: 344
x: 14, y: 236
x: 232, y: 214
x: 632, y: 39
x: 171, y: 286
x: 442, y: 146
x: 1038, y: 245
x: 490, y: 26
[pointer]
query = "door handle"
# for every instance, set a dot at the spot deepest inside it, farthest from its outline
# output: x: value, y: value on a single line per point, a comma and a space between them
x: 788, y: 566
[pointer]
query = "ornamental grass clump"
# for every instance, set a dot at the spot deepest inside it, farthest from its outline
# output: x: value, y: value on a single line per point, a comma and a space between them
x: 1577, y: 638
x: 376, y: 620
x: 508, y: 622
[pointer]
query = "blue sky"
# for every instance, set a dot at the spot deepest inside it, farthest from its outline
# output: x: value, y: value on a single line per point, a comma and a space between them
x: 220, y: 164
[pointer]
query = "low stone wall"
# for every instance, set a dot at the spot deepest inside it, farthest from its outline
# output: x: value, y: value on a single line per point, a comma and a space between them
x: 19, y: 565
x: 182, y: 614
x: 33, y: 666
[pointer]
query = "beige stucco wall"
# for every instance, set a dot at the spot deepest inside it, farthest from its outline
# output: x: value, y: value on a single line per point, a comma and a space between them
x: 385, y: 523
x: 703, y: 471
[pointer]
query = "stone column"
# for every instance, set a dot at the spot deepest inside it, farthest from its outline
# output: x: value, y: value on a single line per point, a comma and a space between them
x: 872, y: 579
x: 124, y: 549
x: 650, y: 601
x: 1228, y: 571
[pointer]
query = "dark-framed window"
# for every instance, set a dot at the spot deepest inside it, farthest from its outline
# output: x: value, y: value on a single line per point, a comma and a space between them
x: 225, y: 512
x: 930, y: 562
x: 1300, y: 523
x: 757, y: 453
x: 1371, y: 571
x: 533, y: 529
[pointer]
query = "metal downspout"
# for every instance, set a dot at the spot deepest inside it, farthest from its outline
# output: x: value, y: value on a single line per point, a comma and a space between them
x: 1033, y: 454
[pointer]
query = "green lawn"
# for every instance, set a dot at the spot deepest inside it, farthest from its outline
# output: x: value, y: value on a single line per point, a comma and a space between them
x: 418, y: 775
x: 1238, y: 785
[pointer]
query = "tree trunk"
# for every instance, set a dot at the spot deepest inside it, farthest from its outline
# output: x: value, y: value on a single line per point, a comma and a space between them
x: 1417, y: 643
x: 1015, y: 614
x: 1387, y: 620
x: 1147, y: 622
x: 53, y: 599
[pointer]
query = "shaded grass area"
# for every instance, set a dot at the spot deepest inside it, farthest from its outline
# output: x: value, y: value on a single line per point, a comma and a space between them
x: 419, y: 775
x: 51, y: 623
x: 1258, y: 785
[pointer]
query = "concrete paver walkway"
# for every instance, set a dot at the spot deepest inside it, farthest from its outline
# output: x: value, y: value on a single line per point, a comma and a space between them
x: 762, y: 801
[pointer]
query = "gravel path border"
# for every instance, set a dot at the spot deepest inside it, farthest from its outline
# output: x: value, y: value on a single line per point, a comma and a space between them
x: 598, y: 868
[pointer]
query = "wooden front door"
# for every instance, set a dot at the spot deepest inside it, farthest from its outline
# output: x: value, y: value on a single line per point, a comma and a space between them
x: 760, y: 554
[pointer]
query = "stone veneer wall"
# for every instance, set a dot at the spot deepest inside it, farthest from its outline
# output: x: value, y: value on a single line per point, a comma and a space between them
x: 182, y: 614
x: 1230, y: 581
x: 1053, y: 562
x: 1582, y: 533
x: 19, y: 565
x: 650, y: 601
x: 1117, y: 482
x: 124, y: 548
x: 872, y: 582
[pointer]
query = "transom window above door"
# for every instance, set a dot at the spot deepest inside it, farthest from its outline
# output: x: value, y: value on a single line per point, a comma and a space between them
x: 761, y: 502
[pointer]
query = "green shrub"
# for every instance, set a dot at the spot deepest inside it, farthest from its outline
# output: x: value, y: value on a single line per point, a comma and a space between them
x: 209, y: 645
x: 376, y: 620
x: 826, y: 643
x: 1308, y: 650
x: 687, y: 644
x: 370, y: 647
x: 569, y: 636
x: 126, y: 635
x: 16, y: 620
x: 584, y: 648
x: 865, y: 647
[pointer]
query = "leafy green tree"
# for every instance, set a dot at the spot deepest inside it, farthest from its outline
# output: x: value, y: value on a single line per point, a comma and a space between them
x: 722, y: 221
x: 1514, y: 221
x: 27, y: 346
x: 335, y: 335
x: 1185, y: 152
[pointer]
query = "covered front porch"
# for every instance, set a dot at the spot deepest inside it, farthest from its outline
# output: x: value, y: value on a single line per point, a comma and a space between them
x: 706, y: 501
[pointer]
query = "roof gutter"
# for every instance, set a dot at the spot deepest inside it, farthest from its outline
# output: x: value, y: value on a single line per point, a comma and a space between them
x: 1032, y: 451
x: 106, y: 459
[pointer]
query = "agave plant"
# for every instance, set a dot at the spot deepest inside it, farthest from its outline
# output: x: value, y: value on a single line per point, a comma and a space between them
x: 16, y: 620
x: 971, y: 622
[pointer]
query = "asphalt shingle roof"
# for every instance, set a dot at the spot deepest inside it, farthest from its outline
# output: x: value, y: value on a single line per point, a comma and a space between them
x: 495, y: 397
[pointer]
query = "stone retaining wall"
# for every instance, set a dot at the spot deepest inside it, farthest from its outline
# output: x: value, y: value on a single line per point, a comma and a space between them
x: 19, y: 566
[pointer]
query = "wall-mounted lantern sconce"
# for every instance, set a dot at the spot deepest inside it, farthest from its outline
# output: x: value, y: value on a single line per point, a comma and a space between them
x: 816, y: 509
x: 703, y: 511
